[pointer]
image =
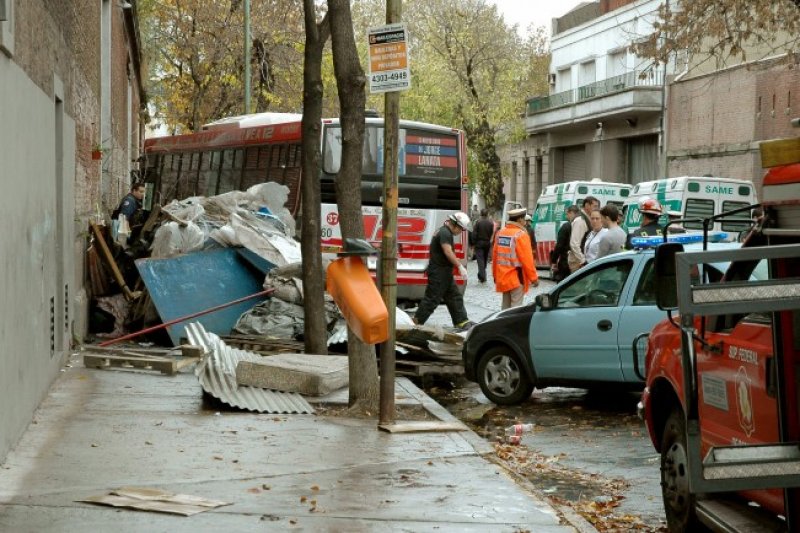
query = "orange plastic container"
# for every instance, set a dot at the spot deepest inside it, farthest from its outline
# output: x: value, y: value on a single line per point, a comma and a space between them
x: 353, y: 290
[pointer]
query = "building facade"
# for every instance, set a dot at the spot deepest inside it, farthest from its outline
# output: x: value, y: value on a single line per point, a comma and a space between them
x: 603, y: 116
x: 70, y: 82
x: 716, y: 120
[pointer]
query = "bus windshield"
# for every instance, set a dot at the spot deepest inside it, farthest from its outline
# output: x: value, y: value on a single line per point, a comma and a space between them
x: 422, y: 153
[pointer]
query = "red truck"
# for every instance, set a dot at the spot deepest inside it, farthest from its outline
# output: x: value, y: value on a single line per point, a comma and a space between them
x: 721, y: 401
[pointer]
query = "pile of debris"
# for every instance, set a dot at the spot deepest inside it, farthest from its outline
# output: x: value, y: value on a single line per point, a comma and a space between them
x: 232, y: 264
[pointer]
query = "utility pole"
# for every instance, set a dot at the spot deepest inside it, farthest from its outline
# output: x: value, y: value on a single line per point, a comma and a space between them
x: 388, y: 279
x: 247, y: 57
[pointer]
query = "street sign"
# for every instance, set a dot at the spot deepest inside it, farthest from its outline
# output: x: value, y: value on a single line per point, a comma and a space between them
x: 388, y: 59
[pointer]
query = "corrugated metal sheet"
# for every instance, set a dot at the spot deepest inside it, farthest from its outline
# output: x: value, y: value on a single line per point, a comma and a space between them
x: 217, y: 375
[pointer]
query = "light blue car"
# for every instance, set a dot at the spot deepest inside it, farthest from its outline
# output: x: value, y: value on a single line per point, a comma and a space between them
x: 580, y: 334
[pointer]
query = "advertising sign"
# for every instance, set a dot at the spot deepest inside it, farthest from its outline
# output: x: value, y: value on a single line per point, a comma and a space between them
x: 388, y: 59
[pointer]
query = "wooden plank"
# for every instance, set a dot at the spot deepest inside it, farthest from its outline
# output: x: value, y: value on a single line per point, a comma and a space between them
x: 162, y: 364
x: 424, y: 426
x: 129, y: 349
x: 780, y: 152
x: 183, y: 363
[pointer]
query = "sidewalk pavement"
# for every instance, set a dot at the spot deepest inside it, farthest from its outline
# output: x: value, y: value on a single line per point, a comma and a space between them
x: 99, y: 430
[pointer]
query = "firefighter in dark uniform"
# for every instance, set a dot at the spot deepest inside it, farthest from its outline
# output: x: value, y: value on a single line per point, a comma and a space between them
x: 441, y: 283
x: 651, y: 211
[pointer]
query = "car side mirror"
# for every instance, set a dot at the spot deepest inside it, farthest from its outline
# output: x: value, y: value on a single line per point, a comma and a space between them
x: 665, y: 277
x: 544, y: 301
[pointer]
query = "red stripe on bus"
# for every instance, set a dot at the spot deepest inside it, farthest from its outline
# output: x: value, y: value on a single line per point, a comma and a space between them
x: 431, y: 161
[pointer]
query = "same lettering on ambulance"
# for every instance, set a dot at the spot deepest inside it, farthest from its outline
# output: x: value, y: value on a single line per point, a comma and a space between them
x: 718, y: 189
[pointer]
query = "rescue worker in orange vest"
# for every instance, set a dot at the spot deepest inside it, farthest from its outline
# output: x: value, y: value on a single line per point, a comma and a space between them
x: 513, y: 266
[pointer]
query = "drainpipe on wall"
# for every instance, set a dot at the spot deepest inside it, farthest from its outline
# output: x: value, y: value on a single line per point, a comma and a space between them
x: 662, y: 136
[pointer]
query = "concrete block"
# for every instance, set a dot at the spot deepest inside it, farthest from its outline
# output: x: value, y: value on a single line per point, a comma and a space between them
x: 309, y: 374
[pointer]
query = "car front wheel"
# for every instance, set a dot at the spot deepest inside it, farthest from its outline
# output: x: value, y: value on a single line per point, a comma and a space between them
x: 502, y: 377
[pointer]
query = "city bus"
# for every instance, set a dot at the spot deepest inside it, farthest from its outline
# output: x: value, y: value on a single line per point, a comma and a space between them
x: 239, y: 152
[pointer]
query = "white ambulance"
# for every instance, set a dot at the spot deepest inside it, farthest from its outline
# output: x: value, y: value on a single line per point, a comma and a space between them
x: 693, y: 197
x: 552, y: 205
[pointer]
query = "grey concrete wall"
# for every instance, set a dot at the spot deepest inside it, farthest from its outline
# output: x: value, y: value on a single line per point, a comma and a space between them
x: 49, y: 117
x: 36, y: 209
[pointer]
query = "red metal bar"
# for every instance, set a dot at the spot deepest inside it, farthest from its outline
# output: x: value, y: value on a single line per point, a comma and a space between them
x: 187, y: 317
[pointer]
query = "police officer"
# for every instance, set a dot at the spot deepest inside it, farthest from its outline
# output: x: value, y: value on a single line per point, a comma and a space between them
x: 513, y: 267
x: 131, y: 203
x: 441, y: 283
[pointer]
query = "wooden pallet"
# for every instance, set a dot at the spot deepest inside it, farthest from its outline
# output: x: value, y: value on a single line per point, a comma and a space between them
x: 262, y: 345
x: 165, y: 365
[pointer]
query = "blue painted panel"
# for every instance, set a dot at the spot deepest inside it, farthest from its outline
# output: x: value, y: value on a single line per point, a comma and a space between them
x: 258, y: 262
x: 190, y: 283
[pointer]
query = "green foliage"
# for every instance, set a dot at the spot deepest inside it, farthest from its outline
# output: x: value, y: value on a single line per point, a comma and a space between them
x: 195, y: 50
x: 469, y: 70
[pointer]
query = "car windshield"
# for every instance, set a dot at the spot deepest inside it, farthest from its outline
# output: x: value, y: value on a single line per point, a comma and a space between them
x: 599, y: 287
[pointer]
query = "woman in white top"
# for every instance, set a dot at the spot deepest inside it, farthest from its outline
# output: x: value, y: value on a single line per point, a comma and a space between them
x: 613, y: 240
x: 590, y: 247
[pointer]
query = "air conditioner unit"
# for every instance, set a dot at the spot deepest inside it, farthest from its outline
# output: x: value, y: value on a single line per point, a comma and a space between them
x: 551, y: 78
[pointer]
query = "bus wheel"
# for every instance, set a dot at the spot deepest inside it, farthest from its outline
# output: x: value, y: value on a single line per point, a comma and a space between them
x: 502, y: 377
x: 679, y: 503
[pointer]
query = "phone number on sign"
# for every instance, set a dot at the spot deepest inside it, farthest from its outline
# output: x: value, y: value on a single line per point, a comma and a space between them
x: 394, y: 76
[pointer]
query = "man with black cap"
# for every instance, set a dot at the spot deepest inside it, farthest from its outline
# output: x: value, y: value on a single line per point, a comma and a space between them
x: 513, y: 267
x: 441, y: 283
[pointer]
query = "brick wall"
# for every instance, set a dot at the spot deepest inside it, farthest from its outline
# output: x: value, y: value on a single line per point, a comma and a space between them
x: 715, y: 121
x: 611, y: 5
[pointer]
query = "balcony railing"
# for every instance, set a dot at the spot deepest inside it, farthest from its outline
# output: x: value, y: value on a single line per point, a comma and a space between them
x: 615, y: 84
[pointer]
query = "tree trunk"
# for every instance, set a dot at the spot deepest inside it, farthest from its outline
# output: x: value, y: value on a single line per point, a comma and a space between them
x: 314, y: 327
x: 350, y: 80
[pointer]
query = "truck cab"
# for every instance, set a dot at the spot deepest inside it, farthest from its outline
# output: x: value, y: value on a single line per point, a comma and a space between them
x: 721, y: 398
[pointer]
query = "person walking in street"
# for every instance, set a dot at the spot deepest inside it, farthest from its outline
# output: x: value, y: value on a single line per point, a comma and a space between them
x: 613, y: 240
x: 650, y: 210
x: 580, y: 228
x: 596, y: 231
x: 531, y: 235
x: 559, y: 266
x: 483, y: 231
x: 441, y: 283
x: 513, y: 268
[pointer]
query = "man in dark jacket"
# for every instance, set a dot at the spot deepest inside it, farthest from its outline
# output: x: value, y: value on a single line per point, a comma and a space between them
x: 559, y: 265
x: 482, y: 232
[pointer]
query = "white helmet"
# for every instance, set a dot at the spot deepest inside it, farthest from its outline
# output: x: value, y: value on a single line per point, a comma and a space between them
x: 460, y: 219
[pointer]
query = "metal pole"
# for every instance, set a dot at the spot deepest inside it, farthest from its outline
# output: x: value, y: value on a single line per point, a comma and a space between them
x: 388, y: 274
x: 247, y: 57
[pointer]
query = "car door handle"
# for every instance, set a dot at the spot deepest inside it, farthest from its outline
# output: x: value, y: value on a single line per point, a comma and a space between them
x: 604, y: 325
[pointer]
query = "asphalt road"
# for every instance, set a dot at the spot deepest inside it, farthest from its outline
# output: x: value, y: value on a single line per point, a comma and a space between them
x: 592, y: 445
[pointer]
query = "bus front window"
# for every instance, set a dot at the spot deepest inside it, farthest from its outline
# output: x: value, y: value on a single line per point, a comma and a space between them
x: 332, y: 150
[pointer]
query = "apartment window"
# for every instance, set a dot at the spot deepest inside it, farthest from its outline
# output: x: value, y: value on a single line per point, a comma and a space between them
x: 615, y: 64
x: 587, y: 74
x: 564, y: 80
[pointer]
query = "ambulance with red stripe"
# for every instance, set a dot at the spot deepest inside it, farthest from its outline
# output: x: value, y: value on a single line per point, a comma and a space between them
x: 551, y: 209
